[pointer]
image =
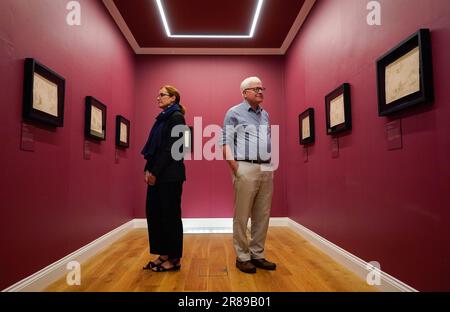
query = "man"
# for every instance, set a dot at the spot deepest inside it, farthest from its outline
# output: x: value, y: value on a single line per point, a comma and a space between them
x: 246, y: 147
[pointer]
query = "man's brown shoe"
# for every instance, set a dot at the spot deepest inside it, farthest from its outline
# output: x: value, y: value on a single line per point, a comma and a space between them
x: 264, y: 264
x: 245, y: 266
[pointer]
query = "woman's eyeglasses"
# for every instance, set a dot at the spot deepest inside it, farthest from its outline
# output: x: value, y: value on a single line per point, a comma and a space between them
x: 257, y: 89
x: 163, y: 94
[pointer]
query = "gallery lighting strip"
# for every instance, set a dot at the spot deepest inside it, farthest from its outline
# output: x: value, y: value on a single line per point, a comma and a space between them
x: 250, y: 35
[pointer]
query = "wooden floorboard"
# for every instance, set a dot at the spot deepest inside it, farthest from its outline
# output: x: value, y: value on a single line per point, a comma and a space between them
x: 209, y: 265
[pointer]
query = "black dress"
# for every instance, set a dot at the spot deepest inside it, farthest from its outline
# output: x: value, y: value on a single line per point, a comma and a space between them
x: 163, y: 205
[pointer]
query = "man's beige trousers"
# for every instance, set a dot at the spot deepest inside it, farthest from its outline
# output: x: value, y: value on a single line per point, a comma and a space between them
x: 253, y: 190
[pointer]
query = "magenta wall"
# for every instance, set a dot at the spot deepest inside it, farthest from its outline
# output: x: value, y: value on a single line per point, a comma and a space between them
x: 52, y: 201
x: 387, y: 206
x: 209, y: 87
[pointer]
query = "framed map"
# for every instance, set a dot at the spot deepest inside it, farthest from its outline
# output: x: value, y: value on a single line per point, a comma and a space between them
x: 338, y: 110
x: 122, y: 131
x: 95, y: 119
x: 306, y: 126
x: 405, y: 75
x: 43, y: 96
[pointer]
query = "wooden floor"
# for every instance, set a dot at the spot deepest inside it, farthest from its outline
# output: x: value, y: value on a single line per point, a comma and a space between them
x: 209, y: 265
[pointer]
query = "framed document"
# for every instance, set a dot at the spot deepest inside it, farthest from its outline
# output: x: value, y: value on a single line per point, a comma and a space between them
x: 338, y: 110
x: 95, y: 119
x: 43, y: 94
x: 405, y: 74
x: 122, y: 132
x: 306, y: 126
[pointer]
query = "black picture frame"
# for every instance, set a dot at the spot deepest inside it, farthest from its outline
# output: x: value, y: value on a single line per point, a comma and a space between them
x: 403, y: 58
x: 42, y: 87
x: 95, y: 126
x: 306, y: 117
x: 338, y: 114
x: 120, y: 120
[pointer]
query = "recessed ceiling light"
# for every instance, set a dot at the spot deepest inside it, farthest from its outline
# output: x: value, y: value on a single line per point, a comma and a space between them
x: 250, y: 35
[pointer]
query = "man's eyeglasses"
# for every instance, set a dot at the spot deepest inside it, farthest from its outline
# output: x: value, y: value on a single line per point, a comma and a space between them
x: 256, y: 90
x: 163, y: 94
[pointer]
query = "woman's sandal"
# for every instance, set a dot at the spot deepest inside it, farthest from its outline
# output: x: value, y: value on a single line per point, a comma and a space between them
x: 176, y: 266
x: 153, y: 264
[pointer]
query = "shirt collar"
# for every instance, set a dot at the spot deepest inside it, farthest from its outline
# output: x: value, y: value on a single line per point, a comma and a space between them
x: 248, y: 107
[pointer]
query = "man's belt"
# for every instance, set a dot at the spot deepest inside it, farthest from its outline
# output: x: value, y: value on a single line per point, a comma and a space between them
x: 256, y: 161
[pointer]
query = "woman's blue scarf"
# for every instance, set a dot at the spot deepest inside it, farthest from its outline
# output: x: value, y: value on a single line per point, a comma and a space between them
x: 154, y: 138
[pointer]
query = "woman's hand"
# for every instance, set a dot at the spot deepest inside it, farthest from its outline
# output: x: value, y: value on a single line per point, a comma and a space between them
x: 149, y: 178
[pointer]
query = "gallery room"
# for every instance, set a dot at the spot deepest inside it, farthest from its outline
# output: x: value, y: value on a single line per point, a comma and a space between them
x: 225, y: 146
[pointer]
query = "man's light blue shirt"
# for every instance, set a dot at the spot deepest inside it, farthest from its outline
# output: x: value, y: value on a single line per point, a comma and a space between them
x: 247, y: 132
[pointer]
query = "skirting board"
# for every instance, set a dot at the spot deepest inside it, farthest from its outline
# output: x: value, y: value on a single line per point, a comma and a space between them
x: 197, y: 226
x: 350, y: 261
x: 45, y: 277
x: 211, y: 225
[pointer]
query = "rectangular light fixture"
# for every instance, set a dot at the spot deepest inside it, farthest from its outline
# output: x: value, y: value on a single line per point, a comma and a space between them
x: 170, y: 35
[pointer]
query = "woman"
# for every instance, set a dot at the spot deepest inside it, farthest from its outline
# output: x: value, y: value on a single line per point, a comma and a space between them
x: 164, y: 176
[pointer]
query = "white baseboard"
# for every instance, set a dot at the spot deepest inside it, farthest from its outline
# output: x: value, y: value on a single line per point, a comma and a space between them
x: 45, y: 277
x: 140, y: 223
x: 279, y: 221
x: 211, y: 225
x: 350, y: 261
x: 199, y: 225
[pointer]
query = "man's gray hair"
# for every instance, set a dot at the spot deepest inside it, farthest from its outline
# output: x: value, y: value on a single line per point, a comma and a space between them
x: 248, y: 81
